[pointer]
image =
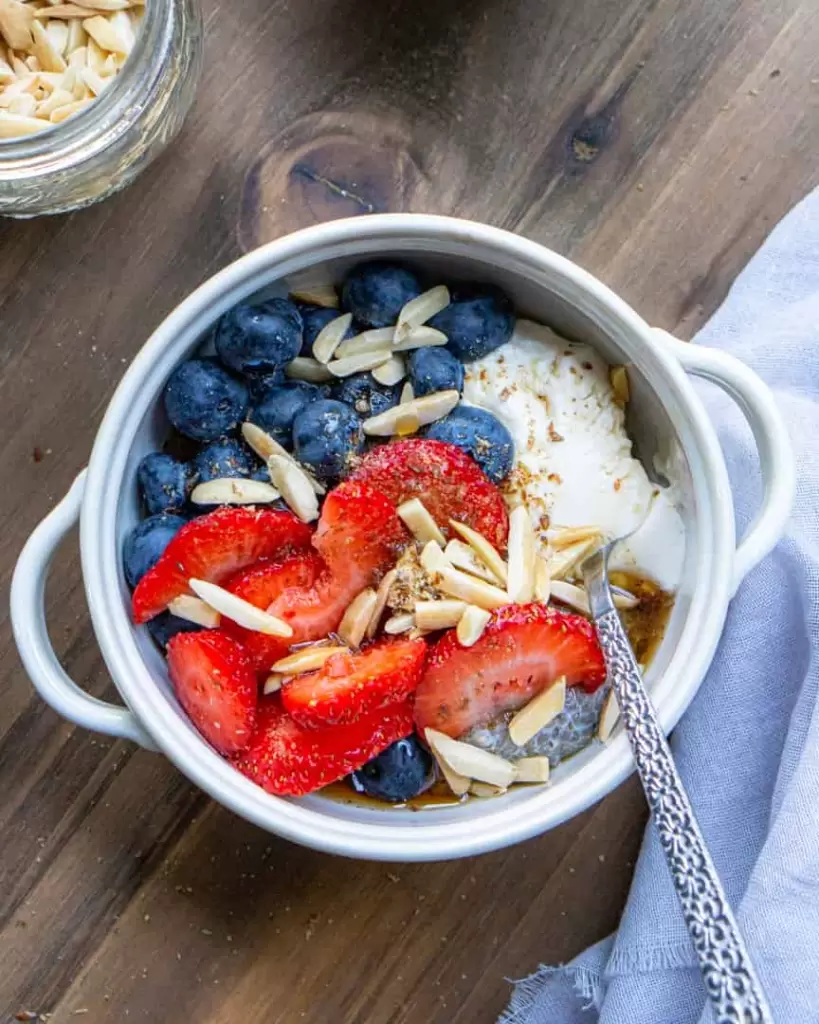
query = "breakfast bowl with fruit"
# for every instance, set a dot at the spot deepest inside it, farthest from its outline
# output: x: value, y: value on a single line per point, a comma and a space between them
x: 333, y: 523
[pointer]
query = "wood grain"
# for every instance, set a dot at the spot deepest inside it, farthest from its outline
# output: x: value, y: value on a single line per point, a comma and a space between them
x: 654, y: 141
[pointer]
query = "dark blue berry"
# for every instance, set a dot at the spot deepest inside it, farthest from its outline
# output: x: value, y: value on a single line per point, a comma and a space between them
x: 259, y: 386
x: 435, y: 369
x: 165, y: 625
x: 315, y: 318
x: 226, y: 458
x: 366, y: 395
x: 259, y: 339
x: 479, y: 434
x: 280, y: 406
x: 376, y: 292
x: 204, y: 401
x: 399, y: 773
x: 163, y: 483
x: 477, y: 321
x: 146, y: 542
x: 326, y: 435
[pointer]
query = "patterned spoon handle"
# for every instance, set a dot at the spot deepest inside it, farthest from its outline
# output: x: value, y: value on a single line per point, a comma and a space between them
x: 730, y: 980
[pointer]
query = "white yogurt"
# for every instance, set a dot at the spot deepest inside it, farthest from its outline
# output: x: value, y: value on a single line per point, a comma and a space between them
x: 573, y: 461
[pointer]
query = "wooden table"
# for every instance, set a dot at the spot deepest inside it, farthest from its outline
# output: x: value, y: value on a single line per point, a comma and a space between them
x: 656, y: 142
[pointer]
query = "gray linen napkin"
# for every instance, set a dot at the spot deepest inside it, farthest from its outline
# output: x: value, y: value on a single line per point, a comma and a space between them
x: 748, y: 747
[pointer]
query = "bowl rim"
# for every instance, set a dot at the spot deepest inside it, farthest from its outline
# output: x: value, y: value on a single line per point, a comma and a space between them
x: 294, y: 819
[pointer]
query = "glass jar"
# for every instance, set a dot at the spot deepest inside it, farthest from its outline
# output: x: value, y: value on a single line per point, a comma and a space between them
x: 104, y: 147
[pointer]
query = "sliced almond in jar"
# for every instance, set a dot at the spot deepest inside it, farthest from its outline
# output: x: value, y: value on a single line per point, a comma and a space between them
x: 472, y: 762
x: 419, y: 522
x: 357, y: 617
x: 307, y: 660
x: 121, y: 23
x: 239, y: 611
x: 45, y: 51
x: 13, y: 126
x: 391, y: 372
x: 69, y: 110
x: 16, y: 20
x: 543, y: 580
x: 532, y: 769
x: 433, y: 615
x: 24, y: 104
x: 77, y: 39
x: 7, y: 75
x: 64, y: 12
x: 484, y: 791
x: 470, y: 589
x: 58, y: 98
x: 330, y: 337
x: 618, y: 375
x: 407, y: 394
x: 483, y: 549
x: 349, y: 365
x: 381, y: 596
x: 433, y: 558
x: 294, y: 486
x: 527, y: 723
x: 194, y: 609
x: 609, y: 716
x: 521, y: 565
x: 424, y: 410
x: 57, y: 32
x: 105, y: 35
x: 401, y: 623
x: 379, y: 339
x: 420, y: 337
x: 232, y: 491
x: 311, y: 370
x: 471, y: 625
x: 103, y: 5
x: 93, y: 81
x: 420, y: 309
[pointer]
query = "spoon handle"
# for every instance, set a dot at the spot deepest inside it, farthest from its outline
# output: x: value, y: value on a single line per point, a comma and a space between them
x: 730, y: 980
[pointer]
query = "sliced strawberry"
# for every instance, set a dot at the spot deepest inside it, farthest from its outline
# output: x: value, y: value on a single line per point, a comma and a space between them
x: 261, y: 585
x: 286, y: 759
x: 351, y: 685
x: 524, y: 649
x: 211, y: 548
x: 447, y: 480
x: 215, y: 683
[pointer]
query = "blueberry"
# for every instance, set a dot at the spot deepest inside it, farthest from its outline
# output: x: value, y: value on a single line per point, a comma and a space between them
x: 479, y: 434
x: 315, y: 318
x: 399, y: 773
x: 259, y: 339
x: 165, y: 625
x: 477, y: 321
x: 376, y: 292
x: 325, y: 436
x: 163, y: 483
x: 259, y: 385
x: 226, y: 458
x: 203, y: 401
x: 366, y: 395
x: 280, y: 406
x: 146, y: 542
x: 435, y: 369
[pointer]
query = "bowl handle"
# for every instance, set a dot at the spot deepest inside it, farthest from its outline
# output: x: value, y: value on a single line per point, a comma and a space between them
x: 774, y: 448
x: 31, y: 633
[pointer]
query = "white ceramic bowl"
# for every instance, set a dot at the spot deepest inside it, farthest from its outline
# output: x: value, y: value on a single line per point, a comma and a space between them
x: 668, y: 420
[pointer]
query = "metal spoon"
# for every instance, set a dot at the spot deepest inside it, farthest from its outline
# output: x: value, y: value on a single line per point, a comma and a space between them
x: 730, y: 980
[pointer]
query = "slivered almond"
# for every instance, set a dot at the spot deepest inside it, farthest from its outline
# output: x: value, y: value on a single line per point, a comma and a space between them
x: 381, y: 596
x: 77, y: 38
x: 406, y: 424
x: 349, y: 365
x: 419, y: 522
x: 78, y: 58
x: 63, y: 113
x: 14, y: 126
x: 618, y: 375
x: 531, y: 769
x: 424, y: 410
x: 330, y: 337
x: 484, y: 791
x: 241, y: 612
x: 194, y: 609
x: 232, y: 491
x: 560, y: 537
x: 462, y: 556
x: 95, y: 83
x: 562, y: 562
x: 576, y: 597
x: 103, y: 5
x: 471, y: 589
x: 7, y: 75
x: 264, y: 446
x: 16, y: 20
x: 623, y: 599
x: 306, y: 660
x: 459, y: 784
x: 471, y: 625
x: 469, y: 761
x: 432, y: 615
x: 58, y: 98
x: 302, y: 368
x: 317, y: 293
x: 357, y: 617
x: 433, y: 558
x: 609, y: 716
x: 391, y: 372
x: 66, y: 12
x: 379, y: 339
x: 420, y: 309
x: 121, y: 23
x: 420, y: 337
x: 416, y: 633
x: 57, y: 32
x: 537, y: 714
x: 401, y: 623
x: 294, y: 486
x: 105, y: 35
x: 543, y: 580
x: 274, y: 683
x: 407, y: 394
x: 521, y: 565
x: 44, y: 49
x: 24, y: 104
x: 95, y: 55
x: 483, y: 549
